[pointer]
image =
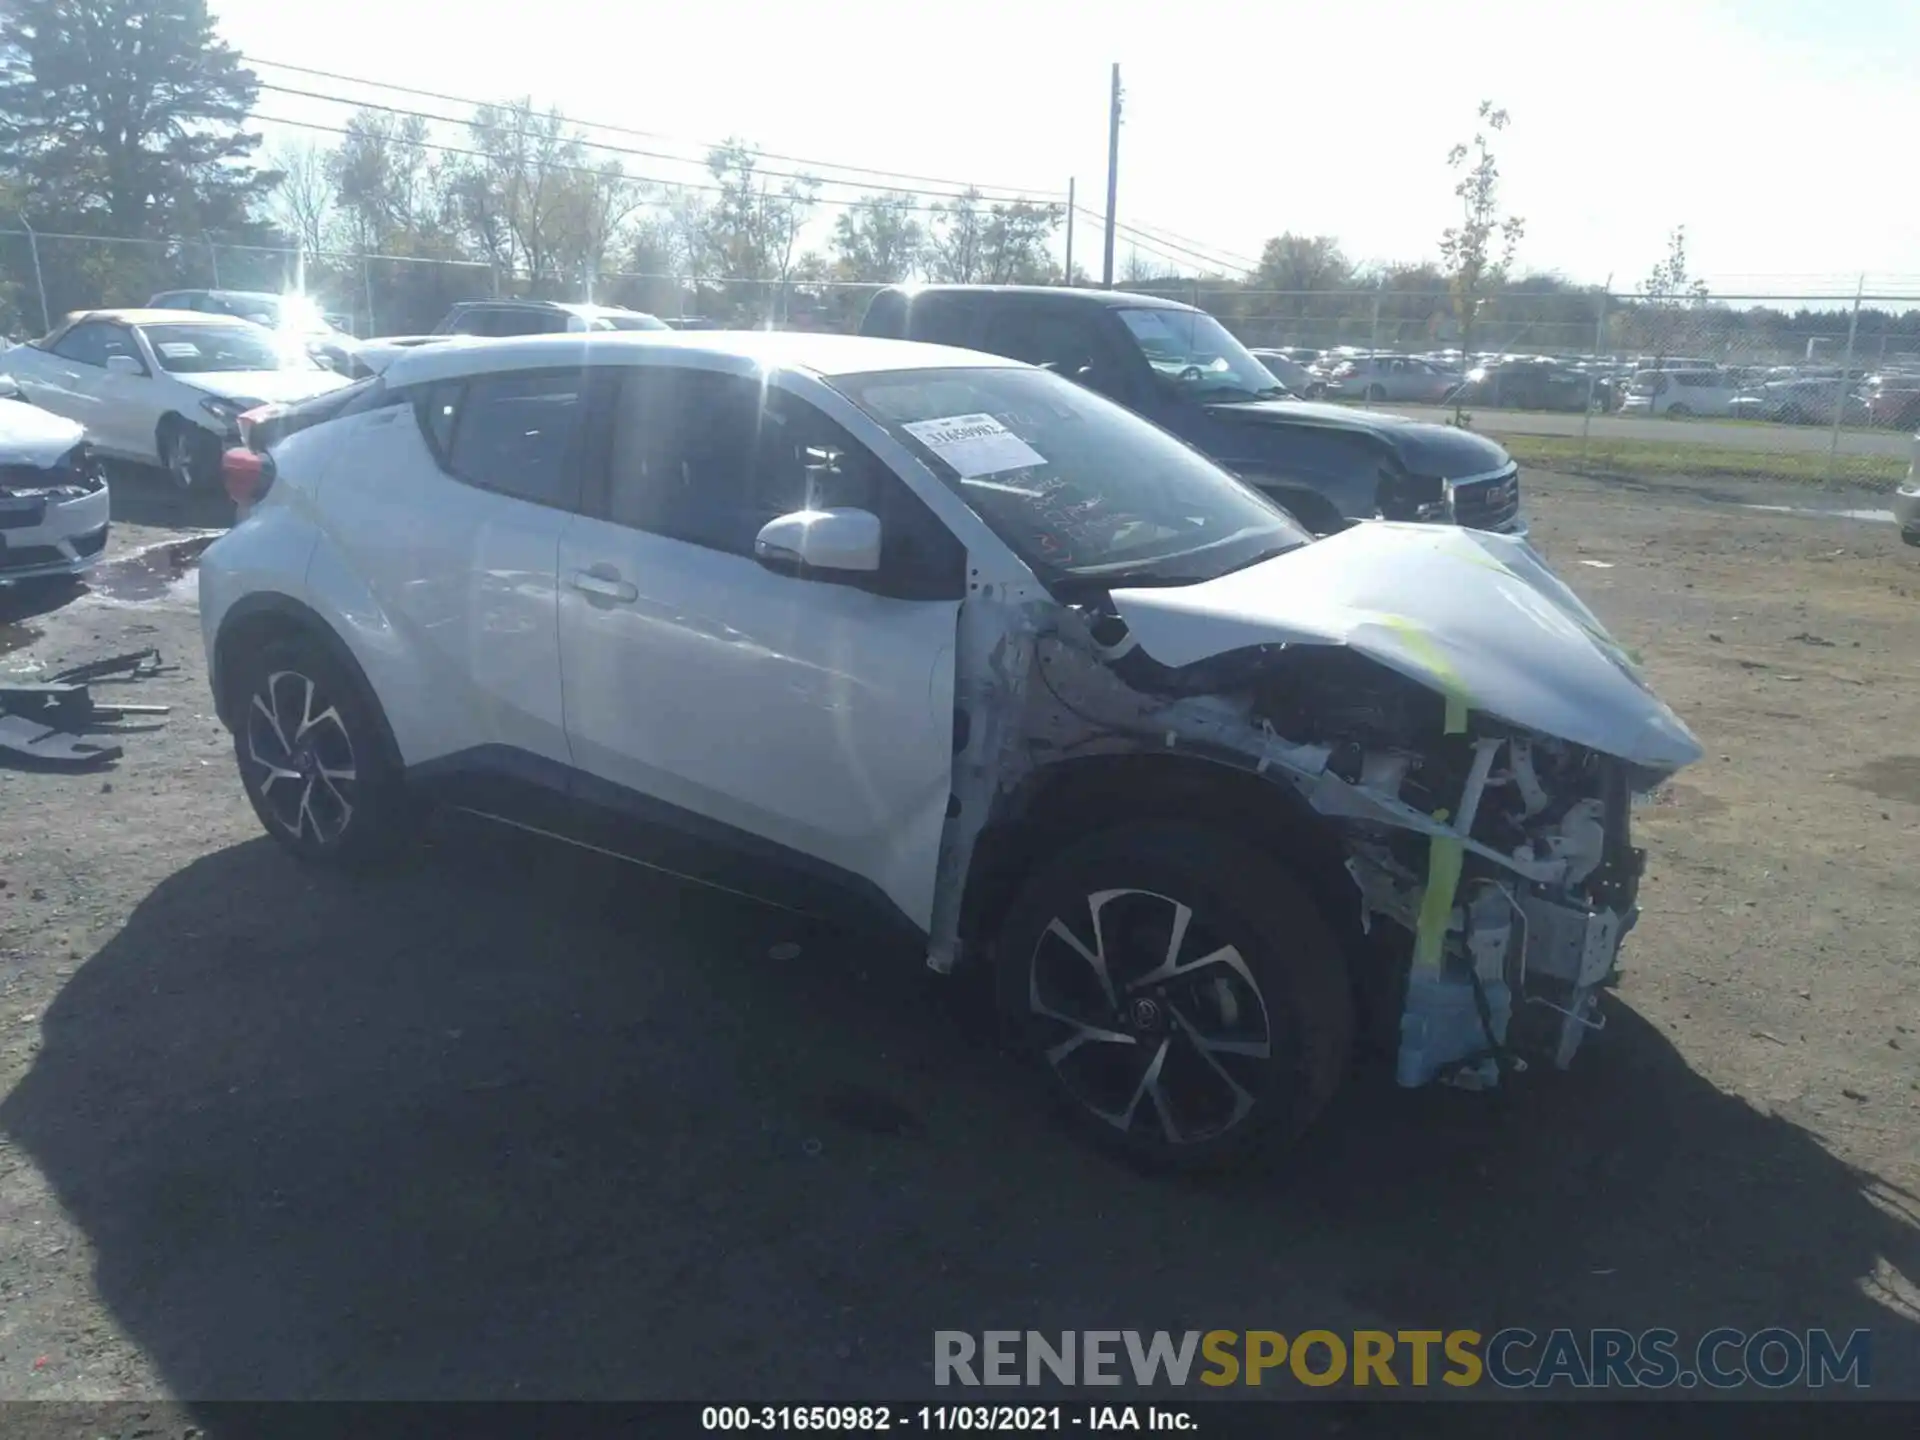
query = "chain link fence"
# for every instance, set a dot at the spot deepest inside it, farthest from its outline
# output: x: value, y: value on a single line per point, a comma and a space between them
x: 1820, y: 387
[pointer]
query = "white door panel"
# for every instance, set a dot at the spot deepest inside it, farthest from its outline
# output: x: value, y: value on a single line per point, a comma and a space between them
x: 58, y: 385
x: 129, y: 415
x: 463, y: 581
x: 816, y: 716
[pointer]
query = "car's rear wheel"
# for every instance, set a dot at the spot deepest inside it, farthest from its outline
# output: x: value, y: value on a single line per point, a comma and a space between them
x: 190, y: 456
x: 313, y: 753
x: 1182, y: 993
x: 1678, y: 412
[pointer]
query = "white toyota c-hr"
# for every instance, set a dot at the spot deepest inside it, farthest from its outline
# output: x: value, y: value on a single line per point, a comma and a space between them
x: 954, y: 644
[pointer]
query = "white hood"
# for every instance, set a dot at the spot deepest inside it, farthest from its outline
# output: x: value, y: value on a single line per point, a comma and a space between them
x: 281, y: 385
x: 1471, y: 614
x: 30, y: 436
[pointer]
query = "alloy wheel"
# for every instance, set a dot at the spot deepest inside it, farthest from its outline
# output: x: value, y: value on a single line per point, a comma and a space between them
x: 180, y: 460
x: 305, y: 774
x: 1156, y: 1023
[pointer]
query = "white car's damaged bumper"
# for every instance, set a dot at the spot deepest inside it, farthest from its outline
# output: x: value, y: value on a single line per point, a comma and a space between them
x: 53, y: 518
x: 1467, y: 738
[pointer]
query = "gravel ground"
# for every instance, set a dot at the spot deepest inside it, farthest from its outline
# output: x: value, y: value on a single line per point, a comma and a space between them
x: 512, y: 1121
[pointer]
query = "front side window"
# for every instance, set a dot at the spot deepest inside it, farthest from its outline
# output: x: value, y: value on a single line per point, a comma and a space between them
x: 207, y: 349
x: 1193, y: 353
x: 710, y: 458
x: 1077, y: 486
x: 514, y: 434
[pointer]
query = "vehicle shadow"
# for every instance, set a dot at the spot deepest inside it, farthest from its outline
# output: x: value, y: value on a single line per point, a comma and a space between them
x: 513, y: 1122
x: 146, y: 495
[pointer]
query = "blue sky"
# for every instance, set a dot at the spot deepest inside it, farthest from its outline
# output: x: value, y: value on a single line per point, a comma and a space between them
x: 1778, y: 131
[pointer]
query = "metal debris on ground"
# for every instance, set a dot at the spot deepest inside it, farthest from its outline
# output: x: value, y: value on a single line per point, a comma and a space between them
x: 134, y: 665
x: 42, y: 722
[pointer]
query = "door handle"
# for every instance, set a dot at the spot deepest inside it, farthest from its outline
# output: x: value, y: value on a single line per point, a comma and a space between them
x: 606, y: 587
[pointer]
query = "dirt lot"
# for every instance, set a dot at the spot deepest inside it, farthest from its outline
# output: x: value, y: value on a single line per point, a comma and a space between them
x: 512, y: 1121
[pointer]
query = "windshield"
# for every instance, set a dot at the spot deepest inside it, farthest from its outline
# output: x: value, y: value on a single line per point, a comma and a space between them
x: 628, y: 322
x: 198, y: 349
x: 1078, y: 487
x: 1197, y: 355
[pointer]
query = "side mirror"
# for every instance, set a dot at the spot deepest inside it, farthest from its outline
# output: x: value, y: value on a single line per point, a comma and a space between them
x: 124, y: 365
x: 847, y: 541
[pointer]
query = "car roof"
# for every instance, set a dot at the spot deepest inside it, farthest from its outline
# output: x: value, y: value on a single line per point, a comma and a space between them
x: 1112, y: 299
x: 822, y: 354
x: 157, y: 317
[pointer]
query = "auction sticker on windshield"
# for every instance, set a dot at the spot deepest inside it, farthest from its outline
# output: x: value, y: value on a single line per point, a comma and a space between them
x: 177, y: 349
x: 974, y: 444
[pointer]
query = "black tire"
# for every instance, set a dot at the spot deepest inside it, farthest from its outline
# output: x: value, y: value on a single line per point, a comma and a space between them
x: 335, y: 794
x: 189, y: 455
x: 1679, y: 412
x: 1290, y: 993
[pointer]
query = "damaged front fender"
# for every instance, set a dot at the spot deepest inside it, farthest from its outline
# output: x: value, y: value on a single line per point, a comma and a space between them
x: 1479, y: 795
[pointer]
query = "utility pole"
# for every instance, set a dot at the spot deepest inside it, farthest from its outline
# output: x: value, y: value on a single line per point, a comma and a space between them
x: 1070, y: 209
x: 1113, y: 177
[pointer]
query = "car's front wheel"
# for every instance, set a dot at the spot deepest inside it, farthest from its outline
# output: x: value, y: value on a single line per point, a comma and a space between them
x: 189, y: 455
x: 313, y: 753
x: 1182, y: 993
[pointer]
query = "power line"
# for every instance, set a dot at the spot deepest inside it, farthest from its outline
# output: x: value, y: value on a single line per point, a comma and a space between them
x: 1012, y: 191
x: 1153, y: 244
x: 1162, y: 232
x: 440, y: 147
x: 584, y: 143
x: 1152, y: 239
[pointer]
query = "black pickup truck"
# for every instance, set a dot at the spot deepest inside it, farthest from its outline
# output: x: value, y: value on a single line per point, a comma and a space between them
x: 1182, y: 369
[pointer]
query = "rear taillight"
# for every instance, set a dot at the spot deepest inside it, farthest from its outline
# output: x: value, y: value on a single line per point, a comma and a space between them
x: 247, y: 474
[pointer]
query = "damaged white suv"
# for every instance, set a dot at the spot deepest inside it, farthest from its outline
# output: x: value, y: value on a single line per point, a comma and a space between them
x: 836, y: 622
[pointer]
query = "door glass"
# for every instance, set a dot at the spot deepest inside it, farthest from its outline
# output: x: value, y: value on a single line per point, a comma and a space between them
x: 699, y: 457
x: 115, y: 341
x: 710, y: 458
x: 1065, y: 344
x: 515, y: 434
x: 85, y: 344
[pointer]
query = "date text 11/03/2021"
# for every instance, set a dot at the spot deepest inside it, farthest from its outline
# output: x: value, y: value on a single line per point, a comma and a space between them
x: 936, y: 1419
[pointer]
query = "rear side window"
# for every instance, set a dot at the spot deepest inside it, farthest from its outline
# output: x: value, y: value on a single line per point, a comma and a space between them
x: 886, y: 316
x: 86, y: 344
x: 515, y: 434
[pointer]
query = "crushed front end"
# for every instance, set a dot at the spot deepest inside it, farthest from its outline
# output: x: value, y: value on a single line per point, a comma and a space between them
x: 53, y: 516
x: 1469, y: 772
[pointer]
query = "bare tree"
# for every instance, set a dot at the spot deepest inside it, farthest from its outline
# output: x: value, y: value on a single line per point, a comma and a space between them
x: 1667, y: 296
x: 302, y: 203
x: 956, y: 243
x: 1141, y: 269
x: 1480, y: 248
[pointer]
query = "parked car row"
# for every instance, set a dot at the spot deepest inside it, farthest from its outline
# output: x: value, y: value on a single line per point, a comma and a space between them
x: 1677, y: 386
x: 166, y: 385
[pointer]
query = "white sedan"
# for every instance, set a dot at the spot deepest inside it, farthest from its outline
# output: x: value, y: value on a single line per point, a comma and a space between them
x: 53, y: 501
x: 163, y: 387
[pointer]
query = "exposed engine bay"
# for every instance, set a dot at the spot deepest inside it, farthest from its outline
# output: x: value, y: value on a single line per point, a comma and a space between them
x: 1494, y: 861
